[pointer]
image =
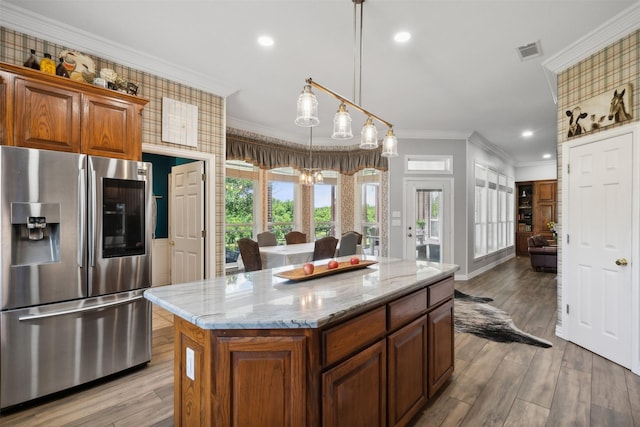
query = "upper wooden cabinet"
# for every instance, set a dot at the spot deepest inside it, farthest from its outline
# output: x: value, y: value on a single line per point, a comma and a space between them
x: 55, y: 113
x: 46, y: 116
x: 545, y: 191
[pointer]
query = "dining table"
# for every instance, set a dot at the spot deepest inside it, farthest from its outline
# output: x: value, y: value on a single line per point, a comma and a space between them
x: 277, y: 256
x: 296, y: 253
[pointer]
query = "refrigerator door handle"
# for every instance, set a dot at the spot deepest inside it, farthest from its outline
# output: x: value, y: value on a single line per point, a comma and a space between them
x: 82, y: 197
x: 79, y: 310
x: 92, y: 217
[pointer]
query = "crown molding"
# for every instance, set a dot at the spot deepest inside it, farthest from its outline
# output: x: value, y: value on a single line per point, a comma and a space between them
x: 606, y: 34
x: 30, y: 23
x: 480, y: 141
x: 540, y: 163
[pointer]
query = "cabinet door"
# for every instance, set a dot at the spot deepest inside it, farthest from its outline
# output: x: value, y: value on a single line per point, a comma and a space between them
x: 407, y: 371
x: 545, y: 191
x: 109, y: 128
x: 260, y: 381
x: 545, y: 212
x: 522, y: 244
x: 441, y: 346
x: 46, y: 117
x: 354, y: 392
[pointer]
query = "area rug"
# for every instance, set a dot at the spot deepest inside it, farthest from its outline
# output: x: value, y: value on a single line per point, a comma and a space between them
x: 475, y: 316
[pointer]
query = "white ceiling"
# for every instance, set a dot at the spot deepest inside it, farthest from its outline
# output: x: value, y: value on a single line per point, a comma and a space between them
x: 459, y: 73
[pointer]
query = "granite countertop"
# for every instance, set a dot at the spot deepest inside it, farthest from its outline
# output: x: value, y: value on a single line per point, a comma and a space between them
x: 260, y: 300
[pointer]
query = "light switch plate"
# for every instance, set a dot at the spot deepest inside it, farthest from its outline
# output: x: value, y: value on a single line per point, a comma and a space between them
x: 191, y: 371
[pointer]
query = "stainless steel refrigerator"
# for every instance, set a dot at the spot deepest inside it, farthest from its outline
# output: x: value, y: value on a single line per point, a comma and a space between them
x: 74, y: 261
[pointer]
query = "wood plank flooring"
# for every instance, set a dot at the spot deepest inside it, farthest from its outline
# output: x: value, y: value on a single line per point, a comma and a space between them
x: 494, y: 384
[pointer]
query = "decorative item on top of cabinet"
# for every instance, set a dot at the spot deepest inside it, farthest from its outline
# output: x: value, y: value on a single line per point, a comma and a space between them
x: 51, y: 112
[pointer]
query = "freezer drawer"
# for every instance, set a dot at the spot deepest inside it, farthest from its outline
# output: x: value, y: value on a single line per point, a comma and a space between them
x: 50, y: 348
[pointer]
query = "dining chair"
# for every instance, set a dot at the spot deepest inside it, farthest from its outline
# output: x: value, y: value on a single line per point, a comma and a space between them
x: 250, y: 253
x: 324, y: 248
x: 267, y: 238
x: 356, y: 233
x: 348, y: 244
x: 293, y: 237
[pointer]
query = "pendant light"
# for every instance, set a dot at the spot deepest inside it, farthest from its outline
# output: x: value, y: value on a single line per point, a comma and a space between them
x: 309, y: 175
x: 369, y: 135
x: 308, y: 105
x: 389, y: 144
x: 342, y: 123
x: 307, y: 108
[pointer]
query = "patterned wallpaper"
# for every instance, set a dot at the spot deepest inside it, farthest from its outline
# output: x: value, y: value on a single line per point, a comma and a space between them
x: 14, y: 49
x: 347, y: 218
x: 602, y: 72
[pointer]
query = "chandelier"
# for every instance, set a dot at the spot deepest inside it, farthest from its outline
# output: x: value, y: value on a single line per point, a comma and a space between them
x: 309, y: 175
x: 307, y: 111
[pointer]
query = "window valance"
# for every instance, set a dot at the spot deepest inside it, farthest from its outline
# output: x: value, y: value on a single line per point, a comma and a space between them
x: 275, y: 154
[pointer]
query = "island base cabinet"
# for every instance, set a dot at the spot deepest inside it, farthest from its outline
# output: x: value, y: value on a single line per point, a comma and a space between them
x: 441, y: 346
x: 407, y: 371
x: 378, y: 367
x: 354, y: 392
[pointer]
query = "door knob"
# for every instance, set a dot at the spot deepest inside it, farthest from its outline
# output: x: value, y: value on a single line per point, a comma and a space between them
x: 171, y: 242
x: 621, y: 261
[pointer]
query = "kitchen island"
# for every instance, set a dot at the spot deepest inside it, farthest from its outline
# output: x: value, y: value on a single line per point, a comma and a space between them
x: 363, y: 347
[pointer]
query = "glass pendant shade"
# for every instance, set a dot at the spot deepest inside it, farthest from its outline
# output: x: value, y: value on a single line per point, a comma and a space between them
x: 389, y: 145
x: 305, y: 177
x: 369, y: 135
x: 307, y: 114
x: 342, y: 124
x: 317, y: 177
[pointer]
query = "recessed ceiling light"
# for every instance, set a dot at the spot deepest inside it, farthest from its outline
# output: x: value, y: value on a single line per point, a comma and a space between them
x: 265, y: 41
x: 527, y: 133
x: 546, y: 156
x: 402, y: 36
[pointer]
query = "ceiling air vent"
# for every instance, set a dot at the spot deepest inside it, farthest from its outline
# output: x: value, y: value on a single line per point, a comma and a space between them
x: 529, y: 51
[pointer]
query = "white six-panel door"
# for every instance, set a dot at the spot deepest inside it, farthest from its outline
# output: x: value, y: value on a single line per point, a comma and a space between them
x: 598, y: 254
x: 187, y: 222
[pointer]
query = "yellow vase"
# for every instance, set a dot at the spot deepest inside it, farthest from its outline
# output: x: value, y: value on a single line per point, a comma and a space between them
x: 47, y: 65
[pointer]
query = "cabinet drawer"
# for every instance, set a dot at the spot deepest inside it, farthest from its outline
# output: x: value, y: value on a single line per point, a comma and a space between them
x: 440, y: 291
x: 405, y: 309
x: 347, y: 338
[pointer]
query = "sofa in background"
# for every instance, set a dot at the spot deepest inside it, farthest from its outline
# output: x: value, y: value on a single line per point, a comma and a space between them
x: 543, y: 256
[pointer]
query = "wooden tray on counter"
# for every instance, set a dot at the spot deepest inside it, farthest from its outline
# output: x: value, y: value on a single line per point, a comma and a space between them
x: 297, y: 274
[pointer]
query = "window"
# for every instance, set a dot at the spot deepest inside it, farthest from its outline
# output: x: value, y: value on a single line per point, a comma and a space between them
x: 239, y: 201
x: 325, y: 206
x: 370, y: 210
x: 480, y: 211
x: 281, y: 202
x: 493, y: 211
x: 429, y: 164
x: 433, y: 230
